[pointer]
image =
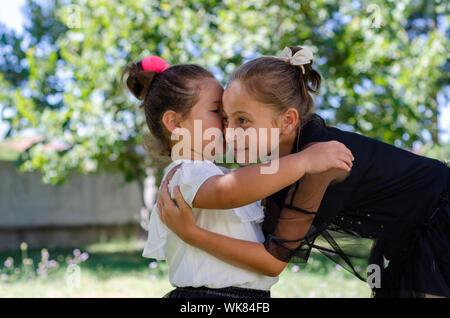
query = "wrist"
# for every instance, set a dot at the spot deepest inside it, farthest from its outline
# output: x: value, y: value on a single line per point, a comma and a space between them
x: 303, y: 163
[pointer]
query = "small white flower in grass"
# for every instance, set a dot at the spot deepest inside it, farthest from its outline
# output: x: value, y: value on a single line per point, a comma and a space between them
x: 4, y: 276
x: 51, y: 264
x: 312, y: 295
x: 152, y: 277
x: 44, y: 253
x: 153, y: 265
x: 27, y: 261
x: 8, y: 262
x: 76, y: 252
x: 338, y: 267
x: 323, y: 284
x: 84, y: 256
x: 358, y: 268
x: 295, y: 269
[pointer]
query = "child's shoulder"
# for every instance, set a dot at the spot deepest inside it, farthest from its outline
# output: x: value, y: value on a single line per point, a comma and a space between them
x: 193, y: 164
x: 193, y: 169
x: 189, y: 176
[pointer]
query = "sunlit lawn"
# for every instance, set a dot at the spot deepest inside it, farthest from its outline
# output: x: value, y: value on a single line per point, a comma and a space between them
x: 118, y: 270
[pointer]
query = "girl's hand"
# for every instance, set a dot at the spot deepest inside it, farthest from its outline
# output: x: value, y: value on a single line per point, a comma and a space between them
x: 177, y: 215
x: 322, y: 156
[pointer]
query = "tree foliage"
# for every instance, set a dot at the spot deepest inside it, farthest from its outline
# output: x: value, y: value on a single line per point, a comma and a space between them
x: 383, y: 64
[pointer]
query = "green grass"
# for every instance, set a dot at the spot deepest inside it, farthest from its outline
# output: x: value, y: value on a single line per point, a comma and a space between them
x: 117, y: 269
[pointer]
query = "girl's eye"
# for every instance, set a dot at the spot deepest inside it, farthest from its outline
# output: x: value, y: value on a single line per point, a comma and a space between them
x: 225, y: 120
x: 215, y: 110
x: 243, y: 121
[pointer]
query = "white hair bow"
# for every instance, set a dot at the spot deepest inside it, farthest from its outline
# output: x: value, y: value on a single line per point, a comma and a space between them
x: 304, y: 56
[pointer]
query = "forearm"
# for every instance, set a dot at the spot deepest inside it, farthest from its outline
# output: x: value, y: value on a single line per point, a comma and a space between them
x: 246, y: 185
x: 248, y: 255
x: 253, y: 256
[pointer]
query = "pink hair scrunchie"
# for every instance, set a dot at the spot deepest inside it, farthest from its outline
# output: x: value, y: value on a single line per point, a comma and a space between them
x: 154, y: 63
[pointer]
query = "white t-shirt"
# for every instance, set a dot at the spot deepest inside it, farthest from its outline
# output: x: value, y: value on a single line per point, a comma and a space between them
x: 190, y: 266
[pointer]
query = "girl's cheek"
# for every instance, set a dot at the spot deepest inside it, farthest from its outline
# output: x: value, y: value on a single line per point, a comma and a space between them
x: 219, y: 122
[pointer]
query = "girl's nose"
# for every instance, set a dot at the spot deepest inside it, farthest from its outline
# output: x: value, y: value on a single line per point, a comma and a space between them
x: 229, y: 135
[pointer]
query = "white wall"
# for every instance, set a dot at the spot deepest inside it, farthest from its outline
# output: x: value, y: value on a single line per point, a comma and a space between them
x: 88, y: 201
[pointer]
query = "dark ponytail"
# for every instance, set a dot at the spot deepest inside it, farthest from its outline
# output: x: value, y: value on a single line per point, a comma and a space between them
x: 311, y: 80
x: 138, y: 81
x: 172, y: 89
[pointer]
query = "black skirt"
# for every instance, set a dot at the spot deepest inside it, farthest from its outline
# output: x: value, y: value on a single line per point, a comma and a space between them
x: 424, y: 266
x: 227, y: 292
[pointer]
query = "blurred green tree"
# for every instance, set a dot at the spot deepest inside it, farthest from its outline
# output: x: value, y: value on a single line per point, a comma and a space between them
x: 383, y: 64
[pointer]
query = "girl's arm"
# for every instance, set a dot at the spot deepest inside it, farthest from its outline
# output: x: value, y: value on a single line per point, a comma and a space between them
x: 246, y: 185
x: 244, y: 254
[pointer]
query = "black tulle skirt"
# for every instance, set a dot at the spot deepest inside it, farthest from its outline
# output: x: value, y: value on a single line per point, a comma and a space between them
x: 424, y: 266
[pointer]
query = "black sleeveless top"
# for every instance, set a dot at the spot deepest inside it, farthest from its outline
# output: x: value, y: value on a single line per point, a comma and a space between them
x: 388, y: 194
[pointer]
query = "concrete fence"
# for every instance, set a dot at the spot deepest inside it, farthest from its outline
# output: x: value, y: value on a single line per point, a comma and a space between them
x: 85, y: 209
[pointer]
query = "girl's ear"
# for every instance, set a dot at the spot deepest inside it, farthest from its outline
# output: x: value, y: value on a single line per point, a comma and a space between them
x: 289, y: 121
x: 170, y: 120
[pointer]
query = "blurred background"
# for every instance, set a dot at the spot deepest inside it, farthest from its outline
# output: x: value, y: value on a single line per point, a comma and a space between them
x: 76, y: 185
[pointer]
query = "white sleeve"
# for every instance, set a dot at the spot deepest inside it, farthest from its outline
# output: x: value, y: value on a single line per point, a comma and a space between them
x: 157, y: 237
x: 190, y: 177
